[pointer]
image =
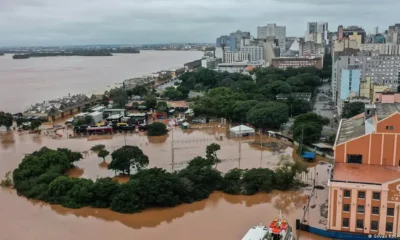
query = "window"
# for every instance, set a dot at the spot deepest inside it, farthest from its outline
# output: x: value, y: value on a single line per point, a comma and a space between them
x: 345, y: 222
x: 376, y: 196
x: 360, y: 209
x: 360, y: 224
x: 354, y: 158
x: 361, y: 194
x: 389, y: 227
x: 346, y: 193
x: 390, y: 212
x: 374, y: 225
x: 346, y: 207
x: 375, y: 210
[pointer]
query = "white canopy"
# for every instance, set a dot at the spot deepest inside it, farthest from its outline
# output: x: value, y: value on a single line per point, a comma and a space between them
x: 242, y: 129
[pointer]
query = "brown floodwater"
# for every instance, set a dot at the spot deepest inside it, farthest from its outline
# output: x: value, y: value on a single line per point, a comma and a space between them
x: 29, y: 81
x: 221, y: 216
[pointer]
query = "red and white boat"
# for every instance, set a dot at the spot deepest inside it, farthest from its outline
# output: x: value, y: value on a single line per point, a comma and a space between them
x: 279, y: 229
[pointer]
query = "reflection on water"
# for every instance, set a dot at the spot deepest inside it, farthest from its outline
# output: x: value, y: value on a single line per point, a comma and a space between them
x: 221, y: 216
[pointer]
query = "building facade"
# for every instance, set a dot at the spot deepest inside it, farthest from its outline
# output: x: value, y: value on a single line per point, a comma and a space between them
x: 230, y: 56
x: 210, y: 63
x: 272, y: 30
x: 317, y: 32
x: 364, y: 189
x: 383, y: 69
x: 348, y: 85
x: 255, y: 52
x: 297, y: 62
x: 382, y: 49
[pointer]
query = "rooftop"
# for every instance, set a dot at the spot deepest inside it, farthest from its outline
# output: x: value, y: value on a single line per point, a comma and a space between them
x: 385, y: 109
x: 350, y: 128
x: 178, y: 104
x: 363, y: 173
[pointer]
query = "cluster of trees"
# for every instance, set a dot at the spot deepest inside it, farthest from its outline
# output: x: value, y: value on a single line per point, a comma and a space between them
x: 87, y: 120
x: 6, y: 120
x: 175, y: 94
x: 239, y: 98
x: 351, y: 109
x: 308, y: 127
x: 41, y: 175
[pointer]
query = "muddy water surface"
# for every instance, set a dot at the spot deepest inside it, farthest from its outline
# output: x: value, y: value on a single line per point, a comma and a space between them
x: 221, y: 216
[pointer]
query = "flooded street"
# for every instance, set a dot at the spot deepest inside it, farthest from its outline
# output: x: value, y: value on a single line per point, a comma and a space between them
x: 221, y: 216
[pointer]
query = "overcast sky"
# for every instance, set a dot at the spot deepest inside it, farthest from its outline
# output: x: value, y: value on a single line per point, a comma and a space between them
x: 70, y: 22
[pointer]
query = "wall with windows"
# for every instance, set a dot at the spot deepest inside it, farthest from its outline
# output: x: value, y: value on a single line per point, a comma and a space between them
x: 363, y: 208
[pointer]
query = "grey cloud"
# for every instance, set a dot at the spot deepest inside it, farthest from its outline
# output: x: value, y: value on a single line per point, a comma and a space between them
x: 33, y: 22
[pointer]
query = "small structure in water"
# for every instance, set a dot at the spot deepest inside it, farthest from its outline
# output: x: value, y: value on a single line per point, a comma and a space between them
x: 241, y: 131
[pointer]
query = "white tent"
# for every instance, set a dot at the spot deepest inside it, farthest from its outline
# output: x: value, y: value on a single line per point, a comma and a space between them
x: 242, y: 131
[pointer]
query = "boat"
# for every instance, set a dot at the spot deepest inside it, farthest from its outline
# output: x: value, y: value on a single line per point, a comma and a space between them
x: 279, y: 229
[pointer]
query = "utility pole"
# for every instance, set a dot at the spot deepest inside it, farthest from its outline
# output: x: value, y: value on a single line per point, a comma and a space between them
x: 240, y: 144
x: 172, y: 149
x: 261, y: 148
x: 301, y: 142
x: 125, y: 137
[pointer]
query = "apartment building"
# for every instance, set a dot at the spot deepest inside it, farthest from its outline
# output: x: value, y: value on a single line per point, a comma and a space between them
x: 231, y: 56
x: 255, y: 52
x: 210, y: 62
x: 348, y: 85
x: 364, y: 188
x: 383, y: 69
x: 383, y: 49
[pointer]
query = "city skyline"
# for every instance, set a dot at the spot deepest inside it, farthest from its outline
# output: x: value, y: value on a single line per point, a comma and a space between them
x: 40, y: 22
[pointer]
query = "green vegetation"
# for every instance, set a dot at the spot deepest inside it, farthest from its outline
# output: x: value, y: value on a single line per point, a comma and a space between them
x: 311, y: 125
x: 351, y: 109
x: 87, y: 120
x: 35, y: 124
x: 41, y: 176
x: 150, y: 101
x: 119, y: 97
x: 6, y: 120
x: 156, y: 129
x: 7, y: 182
x: 128, y: 157
x: 239, y: 98
x: 103, y: 154
x: 97, y: 148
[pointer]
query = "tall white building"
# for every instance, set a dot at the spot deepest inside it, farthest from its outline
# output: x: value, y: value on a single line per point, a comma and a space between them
x: 230, y: 56
x: 383, y: 49
x: 255, y: 52
x: 272, y: 30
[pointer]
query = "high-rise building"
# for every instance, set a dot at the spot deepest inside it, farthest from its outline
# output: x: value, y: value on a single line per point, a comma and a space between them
x: 394, y: 34
x: 272, y: 30
x: 348, y: 84
x: 317, y: 32
x: 352, y: 32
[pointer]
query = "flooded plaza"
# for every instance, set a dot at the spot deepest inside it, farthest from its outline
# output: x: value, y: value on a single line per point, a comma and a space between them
x: 221, y: 216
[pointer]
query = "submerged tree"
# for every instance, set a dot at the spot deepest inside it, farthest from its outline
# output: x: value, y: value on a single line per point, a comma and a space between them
x: 127, y: 157
x: 103, y: 154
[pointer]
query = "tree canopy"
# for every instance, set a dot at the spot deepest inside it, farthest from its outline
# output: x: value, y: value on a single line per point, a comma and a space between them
x: 268, y: 115
x: 311, y: 125
x: 119, y: 97
x: 103, y: 154
x: 150, y: 101
x: 352, y: 109
x: 6, y: 120
x: 156, y: 129
x: 128, y: 157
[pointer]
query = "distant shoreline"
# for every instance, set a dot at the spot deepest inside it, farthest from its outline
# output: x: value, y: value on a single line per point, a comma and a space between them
x: 80, y: 53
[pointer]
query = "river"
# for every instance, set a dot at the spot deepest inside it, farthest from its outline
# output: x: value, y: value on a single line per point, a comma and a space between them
x: 28, y: 81
x: 221, y: 216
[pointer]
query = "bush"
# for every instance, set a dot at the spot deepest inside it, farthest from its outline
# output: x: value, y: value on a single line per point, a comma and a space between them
x: 258, y: 180
x: 232, y: 182
x: 156, y: 129
x: 98, y: 147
